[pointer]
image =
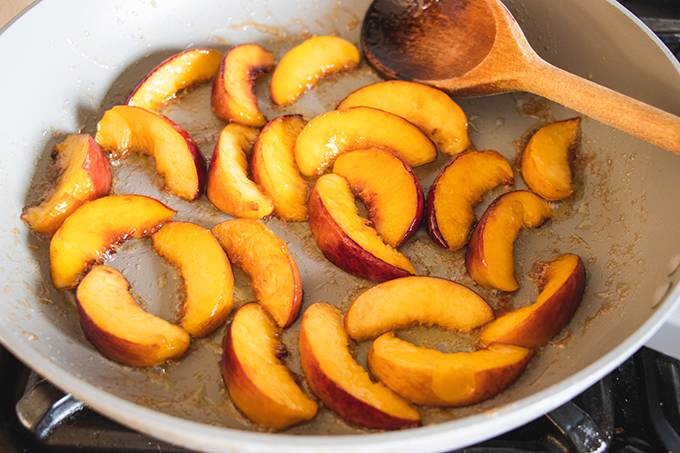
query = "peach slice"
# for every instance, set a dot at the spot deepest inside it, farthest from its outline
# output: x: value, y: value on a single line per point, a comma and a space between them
x: 274, y: 168
x: 346, y: 238
x: 92, y: 232
x: 125, y: 129
x: 563, y: 282
x: 233, y: 98
x: 389, y: 189
x: 546, y: 160
x: 489, y: 257
x: 457, y: 189
x: 85, y: 175
x: 265, y: 258
x: 433, y: 378
x: 408, y: 301
x: 258, y: 383
x: 119, y: 328
x: 229, y: 188
x: 206, y: 272
x: 430, y: 109
x: 339, y: 381
x: 175, y: 73
x: 303, y: 65
x: 332, y: 133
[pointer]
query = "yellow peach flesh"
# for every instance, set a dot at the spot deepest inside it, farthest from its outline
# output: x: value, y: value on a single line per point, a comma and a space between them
x: 258, y: 383
x: 119, y: 327
x: 265, y: 258
x: 229, y: 187
x: 546, y: 160
x: 173, y: 75
x: 428, y: 108
x: 338, y: 200
x: 388, y: 188
x: 332, y: 133
x: 407, y: 301
x: 275, y: 170
x: 94, y: 229
x: 206, y: 272
x: 305, y: 64
x: 430, y: 377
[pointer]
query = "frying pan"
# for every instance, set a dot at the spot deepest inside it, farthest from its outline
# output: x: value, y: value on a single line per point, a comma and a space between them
x: 63, y: 66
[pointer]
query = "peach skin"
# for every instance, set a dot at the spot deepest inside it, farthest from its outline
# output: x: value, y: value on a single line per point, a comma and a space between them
x: 125, y: 129
x: 340, y: 382
x: 119, y: 328
x: 562, y: 284
x: 233, y: 98
x: 85, y: 174
x: 229, y: 188
x: 258, y: 383
x: 433, y: 378
x: 389, y: 189
x: 174, y: 74
x: 346, y: 238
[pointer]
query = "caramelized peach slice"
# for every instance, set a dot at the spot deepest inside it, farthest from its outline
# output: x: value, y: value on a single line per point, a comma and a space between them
x: 174, y: 74
x: 206, y: 272
x: 119, y: 328
x: 125, y: 129
x: 389, y: 189
x: 457, y: 189
x: 265, y: 258
x: 332, y: 133
x: 489, y: 258
x: 430, y: 109
x: 85, y: 175
x: 546, y: 160
x: 94, y: 229
x: 430, y: 377
x: 275, y: 170
x: 563, y: 282
x: 346, y: 238
x: 258, y: 383
x: 233, y: 98
x: 229, y: 188
x: 339, y: 381
x: 409, y: 301
x: 303, y: 66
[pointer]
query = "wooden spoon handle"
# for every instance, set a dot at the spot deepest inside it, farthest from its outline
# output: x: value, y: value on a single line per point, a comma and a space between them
x: 615, y: 109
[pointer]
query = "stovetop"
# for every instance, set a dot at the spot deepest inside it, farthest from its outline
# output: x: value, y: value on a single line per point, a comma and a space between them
x: 636, y: 408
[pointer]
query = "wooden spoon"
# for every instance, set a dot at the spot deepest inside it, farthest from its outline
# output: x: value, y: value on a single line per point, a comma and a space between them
x: 475, y: 47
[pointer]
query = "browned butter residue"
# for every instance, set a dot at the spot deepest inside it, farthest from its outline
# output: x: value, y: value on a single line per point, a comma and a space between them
x: 278, y: 32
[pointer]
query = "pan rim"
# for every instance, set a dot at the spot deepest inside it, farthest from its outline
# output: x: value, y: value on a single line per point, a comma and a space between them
x: 449, y: 435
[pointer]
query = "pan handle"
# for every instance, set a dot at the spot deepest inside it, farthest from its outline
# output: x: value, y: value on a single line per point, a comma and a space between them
x: 581, y: 430
x: 44, y: 407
